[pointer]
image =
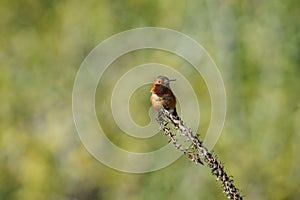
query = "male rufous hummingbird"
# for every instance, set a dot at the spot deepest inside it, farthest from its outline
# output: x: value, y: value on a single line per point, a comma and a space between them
x: 162, y: 95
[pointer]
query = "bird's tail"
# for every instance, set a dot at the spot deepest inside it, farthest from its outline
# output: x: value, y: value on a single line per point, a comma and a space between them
x: 174, y: 113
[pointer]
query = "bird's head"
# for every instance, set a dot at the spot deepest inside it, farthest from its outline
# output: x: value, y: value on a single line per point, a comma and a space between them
x: 163, y: 80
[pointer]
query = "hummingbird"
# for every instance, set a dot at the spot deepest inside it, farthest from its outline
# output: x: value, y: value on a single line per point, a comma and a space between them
x: 162, y: 95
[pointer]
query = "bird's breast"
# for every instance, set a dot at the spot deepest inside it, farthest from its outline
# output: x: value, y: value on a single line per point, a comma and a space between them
x: 156, y: 101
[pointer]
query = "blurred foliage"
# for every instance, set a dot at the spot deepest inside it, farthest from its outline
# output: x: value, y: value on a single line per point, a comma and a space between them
x: 256, y: 45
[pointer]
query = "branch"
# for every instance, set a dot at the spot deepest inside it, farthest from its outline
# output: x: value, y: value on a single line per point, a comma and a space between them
x: 197, y: 152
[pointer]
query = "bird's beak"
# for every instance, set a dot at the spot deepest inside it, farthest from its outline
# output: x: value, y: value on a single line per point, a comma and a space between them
x: 172, y: 80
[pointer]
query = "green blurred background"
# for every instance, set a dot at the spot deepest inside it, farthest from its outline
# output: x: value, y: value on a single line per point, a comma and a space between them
x: 256, y: 45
